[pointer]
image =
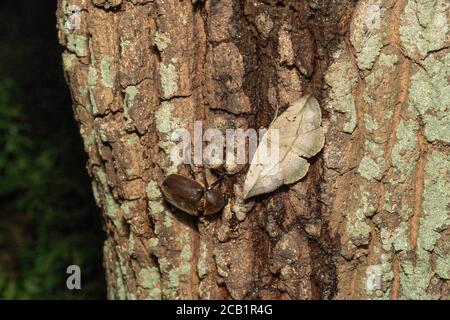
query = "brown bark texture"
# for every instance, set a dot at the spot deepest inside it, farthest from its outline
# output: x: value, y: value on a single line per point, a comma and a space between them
x: 371, y: 218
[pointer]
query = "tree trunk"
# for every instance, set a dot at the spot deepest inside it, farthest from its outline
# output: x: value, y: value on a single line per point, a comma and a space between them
x: 371, y: 217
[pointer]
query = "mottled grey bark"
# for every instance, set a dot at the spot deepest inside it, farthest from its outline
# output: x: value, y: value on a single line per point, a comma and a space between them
x: 387, y: 156
x: 370, y: 219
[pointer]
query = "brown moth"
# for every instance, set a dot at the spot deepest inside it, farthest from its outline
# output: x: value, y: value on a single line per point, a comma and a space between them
x: 300, y: 136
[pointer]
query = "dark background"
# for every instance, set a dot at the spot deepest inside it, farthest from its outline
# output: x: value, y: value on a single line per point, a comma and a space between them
x: 48, y: 218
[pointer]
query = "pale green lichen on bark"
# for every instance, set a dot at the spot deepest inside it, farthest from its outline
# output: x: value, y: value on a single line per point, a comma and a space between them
x: 130, y: 93
x: 128, y: 207
x: 371, y: 49
x: 110, y: 206
x: 107, y: 76
x: 163, y: 264
x: 341, y: 95
x: 77, y: 44
x: 121, y: 279
x: 374, y: 149
x: 168, y: 220
x: 443, y: 260
x: 173, y: 270
x: 158, y: 213
x: 388, y: 60
x: 436, y: 199
x: 91, y: 83
x: 373, y: 82
x: 365, y: 40
x: 424, y: 26
x: 68, y: 59
x: 166, y: 124
x: 153, y: 243
x: 162, y: 41
x: 103, y: 130
x: 373, y: 164
x: 397, y: 239
x: 369, y: 168
x: 175, y: 276
x: 169, y: 79
x: 370, y: 123
x: 150, y: 279
x: 121, y: 291
x: 186, y: 252
x: 406, y: 144
x: 96, y: 194
x: 424, y: 36
x: 115, y: 289
x: 430, y: 96
x: 357, y: 227
x: 152, y: 190
x: 202, y: 269
x: 124, y: 45
x: 416, y: 277
x: 387, y: 204
x: 155, y: 208
x: 83, y: 90
x: 387, y: 274
x: 88, y: 137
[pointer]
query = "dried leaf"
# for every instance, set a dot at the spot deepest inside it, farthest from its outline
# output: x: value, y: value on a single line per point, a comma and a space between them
x: 296, y: 135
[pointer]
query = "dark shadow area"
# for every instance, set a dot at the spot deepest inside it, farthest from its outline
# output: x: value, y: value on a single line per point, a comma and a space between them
x: 48, y: 217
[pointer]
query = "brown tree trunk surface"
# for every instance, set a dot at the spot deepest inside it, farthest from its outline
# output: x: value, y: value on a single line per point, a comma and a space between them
x: 371, y: 217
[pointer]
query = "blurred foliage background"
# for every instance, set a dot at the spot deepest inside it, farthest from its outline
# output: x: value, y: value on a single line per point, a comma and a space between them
x: 48, y: 218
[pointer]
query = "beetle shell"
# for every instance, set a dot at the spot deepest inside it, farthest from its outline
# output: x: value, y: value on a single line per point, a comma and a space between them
x: 185, y: 194
x: 214, y: 202
x: 189, y: 196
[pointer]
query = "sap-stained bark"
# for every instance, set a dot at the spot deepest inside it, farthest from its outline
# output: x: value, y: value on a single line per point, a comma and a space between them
x: 375, y: 201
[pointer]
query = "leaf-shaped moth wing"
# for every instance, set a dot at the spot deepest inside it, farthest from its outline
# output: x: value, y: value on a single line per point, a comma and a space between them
x: 292, y: 138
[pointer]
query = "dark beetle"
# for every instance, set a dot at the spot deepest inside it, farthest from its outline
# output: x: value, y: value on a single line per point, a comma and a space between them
x: 191, y: 197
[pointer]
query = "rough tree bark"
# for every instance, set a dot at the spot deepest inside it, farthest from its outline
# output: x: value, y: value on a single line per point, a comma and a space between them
x: 370, y: 219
